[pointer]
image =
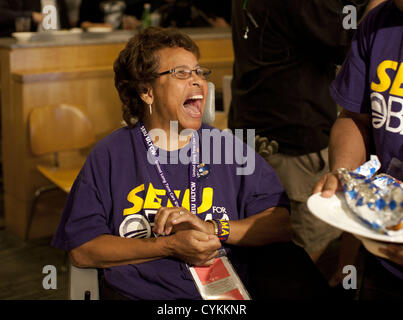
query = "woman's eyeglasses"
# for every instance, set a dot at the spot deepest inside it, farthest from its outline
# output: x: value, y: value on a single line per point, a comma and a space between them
x: 186, y: 73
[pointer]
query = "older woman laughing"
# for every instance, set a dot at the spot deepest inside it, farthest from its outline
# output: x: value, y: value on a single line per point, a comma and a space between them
x: 140, y: 220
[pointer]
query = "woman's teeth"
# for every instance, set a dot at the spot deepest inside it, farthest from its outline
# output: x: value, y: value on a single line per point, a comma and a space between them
x: 198, y: 97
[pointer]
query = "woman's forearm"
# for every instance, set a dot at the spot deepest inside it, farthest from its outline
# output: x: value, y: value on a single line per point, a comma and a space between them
x: 271, y: 225
x: 348, y: 148
x: 107, y: 251
x: 349, y: 141
x: 190, y: 246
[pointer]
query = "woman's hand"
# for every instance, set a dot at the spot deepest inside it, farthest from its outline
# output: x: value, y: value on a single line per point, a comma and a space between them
x: 171, y: 220
x: 328, y: 185
x: 194, y: 247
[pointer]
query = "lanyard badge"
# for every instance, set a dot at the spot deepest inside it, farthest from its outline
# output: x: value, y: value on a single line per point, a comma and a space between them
x: 220, y: 280
x: 193, y: 170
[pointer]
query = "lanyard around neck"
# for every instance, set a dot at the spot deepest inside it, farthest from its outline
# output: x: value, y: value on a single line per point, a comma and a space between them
x: 151, y: 150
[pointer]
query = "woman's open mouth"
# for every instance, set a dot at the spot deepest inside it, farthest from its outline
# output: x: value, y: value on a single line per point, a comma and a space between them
x: 193, y: 107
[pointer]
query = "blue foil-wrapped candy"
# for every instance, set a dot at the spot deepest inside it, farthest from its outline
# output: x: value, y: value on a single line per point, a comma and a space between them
x: 376, y: 200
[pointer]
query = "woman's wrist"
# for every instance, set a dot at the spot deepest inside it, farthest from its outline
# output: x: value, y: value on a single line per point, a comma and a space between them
x: 212, y: 227
x: 166, y: 245
x: 221, y: 228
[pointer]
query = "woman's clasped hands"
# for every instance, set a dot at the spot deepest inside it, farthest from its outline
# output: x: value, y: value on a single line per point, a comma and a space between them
x: 190, y: 238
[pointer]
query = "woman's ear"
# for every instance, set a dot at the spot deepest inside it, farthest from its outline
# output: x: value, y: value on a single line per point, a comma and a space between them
x: 147, y: 96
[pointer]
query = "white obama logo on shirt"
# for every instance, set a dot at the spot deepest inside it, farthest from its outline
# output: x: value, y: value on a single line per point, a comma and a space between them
x: 388, y: 113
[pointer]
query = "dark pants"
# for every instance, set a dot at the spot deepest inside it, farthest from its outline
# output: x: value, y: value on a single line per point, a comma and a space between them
x: 280, y: 271
x: 378, y: 283
x: 275, y: 271
x: 107, y: 292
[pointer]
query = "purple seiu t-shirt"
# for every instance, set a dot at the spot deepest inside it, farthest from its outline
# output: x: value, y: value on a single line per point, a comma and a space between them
x: 371, y: 79
x: 118, y: 192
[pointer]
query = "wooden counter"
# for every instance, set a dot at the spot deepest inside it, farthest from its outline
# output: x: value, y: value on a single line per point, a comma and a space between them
x: 71, y: 69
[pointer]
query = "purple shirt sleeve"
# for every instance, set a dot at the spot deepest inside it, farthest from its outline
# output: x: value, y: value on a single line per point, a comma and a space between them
x: 267, y: 192
x: 85, y: 216
x: 350, y: 90
x: 261, y: 190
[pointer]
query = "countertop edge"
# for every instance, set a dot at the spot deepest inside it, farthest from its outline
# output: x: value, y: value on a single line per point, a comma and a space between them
x: 85, y: 38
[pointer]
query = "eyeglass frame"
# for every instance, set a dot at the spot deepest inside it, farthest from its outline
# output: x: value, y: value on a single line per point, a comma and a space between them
x: 172, y: 71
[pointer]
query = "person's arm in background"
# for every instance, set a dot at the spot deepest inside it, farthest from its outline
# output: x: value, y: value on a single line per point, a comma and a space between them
x: 8, y: 13
x: 348, y: 148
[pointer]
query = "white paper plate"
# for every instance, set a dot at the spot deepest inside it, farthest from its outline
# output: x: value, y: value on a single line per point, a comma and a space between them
x: 99, y: 29
x: 76, y: 30
x: 22, y: 36
x: 336, y: 212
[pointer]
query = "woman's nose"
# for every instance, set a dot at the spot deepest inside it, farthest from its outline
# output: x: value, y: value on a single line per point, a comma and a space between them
x: 196, y: 80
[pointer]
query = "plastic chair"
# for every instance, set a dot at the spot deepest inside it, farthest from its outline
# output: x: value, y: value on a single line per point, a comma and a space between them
x: 84, y: 282
x: 54, y: 129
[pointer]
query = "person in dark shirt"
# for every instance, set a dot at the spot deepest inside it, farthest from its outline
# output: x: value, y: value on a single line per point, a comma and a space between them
x: 286, y: 53
x: 12, y: 9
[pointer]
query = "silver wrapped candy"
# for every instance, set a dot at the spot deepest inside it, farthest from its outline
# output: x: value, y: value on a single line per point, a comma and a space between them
x: 376, y: 200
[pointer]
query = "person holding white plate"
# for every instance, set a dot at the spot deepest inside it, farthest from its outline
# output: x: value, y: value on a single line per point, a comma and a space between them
x: 369, y: 88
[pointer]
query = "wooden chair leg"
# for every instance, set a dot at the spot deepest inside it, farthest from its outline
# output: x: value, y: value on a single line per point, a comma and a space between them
x: 38, y: 193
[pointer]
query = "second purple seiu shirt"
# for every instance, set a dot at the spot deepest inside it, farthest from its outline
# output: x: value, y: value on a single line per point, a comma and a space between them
x: 371, y: 79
